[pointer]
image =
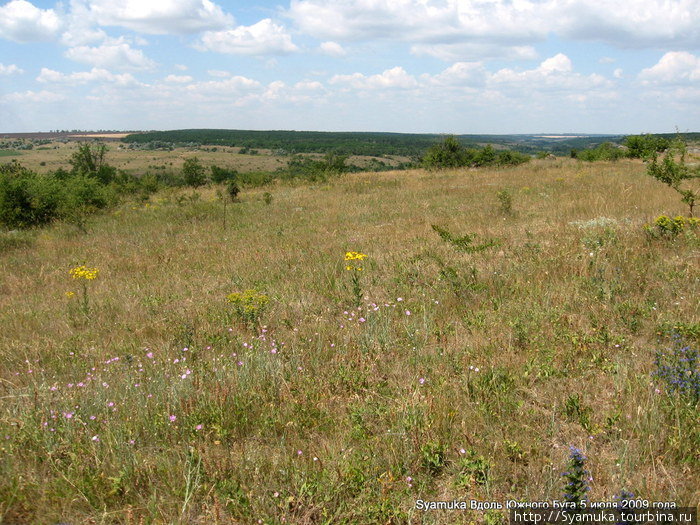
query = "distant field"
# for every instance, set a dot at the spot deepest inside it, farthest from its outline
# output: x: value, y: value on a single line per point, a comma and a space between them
x: 57, y: 154
x: 146, y: 396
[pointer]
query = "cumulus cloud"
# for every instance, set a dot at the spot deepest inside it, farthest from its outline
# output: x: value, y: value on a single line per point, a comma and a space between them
x: 179, y: 79
x: 21, y: 21
x: 113, y: 54
x: 333, y: 49
x: 35, y: 97
x: 50, y: 76
x: 439, y: 28
x: 555, y: 73
x: 263, y: 38
x: 468, y: 50
x: 10, y: 70
x: 673, y: 68
x: 395, y: 77
x: 159, y: 17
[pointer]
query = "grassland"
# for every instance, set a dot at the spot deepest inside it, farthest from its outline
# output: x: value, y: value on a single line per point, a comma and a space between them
x: 460, y: 376
x: 56, y: 155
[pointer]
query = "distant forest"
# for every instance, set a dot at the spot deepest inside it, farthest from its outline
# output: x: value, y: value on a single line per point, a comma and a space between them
x: 370, y: 143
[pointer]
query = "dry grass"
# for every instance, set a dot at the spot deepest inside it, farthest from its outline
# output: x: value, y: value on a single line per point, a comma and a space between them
x: 561, y: 321
x: 56, y: 155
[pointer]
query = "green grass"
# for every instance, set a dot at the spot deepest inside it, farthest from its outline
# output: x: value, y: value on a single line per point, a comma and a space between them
x: 318, y: 412
x: 9, y: 153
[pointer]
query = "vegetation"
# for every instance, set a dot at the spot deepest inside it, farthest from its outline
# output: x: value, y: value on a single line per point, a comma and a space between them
x: 673, y: 171
x: 450, y: 153
x: 218, y: 371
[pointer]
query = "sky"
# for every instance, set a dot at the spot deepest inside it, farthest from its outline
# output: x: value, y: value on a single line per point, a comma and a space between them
x: 413, y: 66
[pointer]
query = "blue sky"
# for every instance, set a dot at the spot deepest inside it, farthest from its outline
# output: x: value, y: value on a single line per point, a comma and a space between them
x: 445, y: 66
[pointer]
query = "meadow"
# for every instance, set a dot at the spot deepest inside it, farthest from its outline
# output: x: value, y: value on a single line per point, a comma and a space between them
x: 241, y: 362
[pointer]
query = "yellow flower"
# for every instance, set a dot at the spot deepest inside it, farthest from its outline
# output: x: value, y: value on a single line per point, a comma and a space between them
x: 70, y: 294
x: 83, y: 272
x: 354, y: 256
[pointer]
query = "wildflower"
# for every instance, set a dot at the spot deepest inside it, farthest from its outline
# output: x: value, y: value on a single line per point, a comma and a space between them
x: 70, y: 294
x: 83, y: 272
x: 95, y: 438
x: 198, y: 427
x: 172, y: 418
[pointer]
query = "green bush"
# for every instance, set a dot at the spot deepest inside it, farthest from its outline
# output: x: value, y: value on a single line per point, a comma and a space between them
x: 26, y: 198
x: 451, y: 154
x: 644, y: 146
x: 605, y: 151
x: 193, y: 173
x: 29, y: 199
x: 220, y: 175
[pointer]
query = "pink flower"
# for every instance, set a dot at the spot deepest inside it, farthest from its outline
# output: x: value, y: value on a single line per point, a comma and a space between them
x: 408, y: 312
x: 198, y: 427
x: 172, y: 418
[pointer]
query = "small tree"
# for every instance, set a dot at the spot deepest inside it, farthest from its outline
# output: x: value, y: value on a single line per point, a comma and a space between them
x: 644, y: 146
x: 193, y: 173
x: 673, y: 171
x: 89, y: 161
x: 447, y: 154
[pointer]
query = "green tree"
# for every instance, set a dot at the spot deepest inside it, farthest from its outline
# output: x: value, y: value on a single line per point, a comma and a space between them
x: 446, y: 154
x: 644, y: 146
x: 89, y: 160
x: 674, y: 172
x: 193, y: 173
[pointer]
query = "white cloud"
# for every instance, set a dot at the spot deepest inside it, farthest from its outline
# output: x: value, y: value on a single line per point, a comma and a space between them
x: 50, y: 76
x: 508, y: 23
x: 642, y: 23
x: 161, y: 16
x: 229, y: 87
x: 179, y: 79
x: 10, y: 70
x: 396, y: 77
x: 673, y: 68
x: 113, y: 54
x: 181, y: 67
x: 467, y: 51
x: 35, y: 97
x: 21, y: 21
x: 263, y: 38
x: 618, y: 73
x: 555, y: 73
x: 460, y: 74
x: 332, y: 49
x: 218, y: 73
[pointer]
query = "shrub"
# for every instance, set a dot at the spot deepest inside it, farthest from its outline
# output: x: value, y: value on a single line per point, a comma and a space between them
x: 220, y: 175
x: 644, y: 146
x: 249, y: 305
x: 605, y: 151
x: 26, y: 198
x: 232, y: 189
x: 193, y: 173
x: 447, y: 154
x: 670, y: 228
x: 450, y: 153
x: 89, y: 161
x: 674, y: 172
x: 505, y: 198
